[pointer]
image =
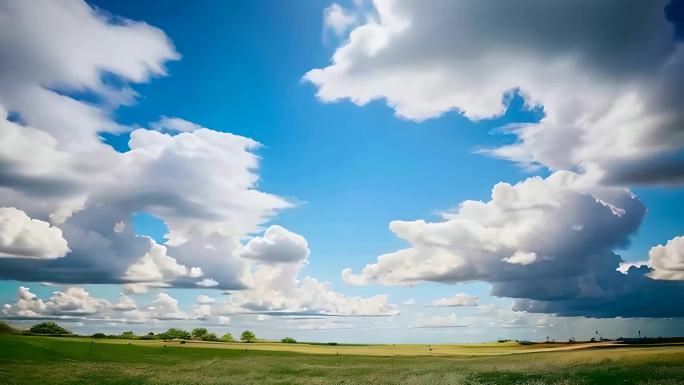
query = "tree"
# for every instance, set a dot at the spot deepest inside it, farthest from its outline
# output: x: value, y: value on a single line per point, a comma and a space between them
x: 128, y: 335
x: 288, y: 340
x: 174, y: 333
x: 247, y: 336
x: 198, y: 333
x: 6, y: 329
x: 227, y: 338
x: 48, y: 328
x: 99, y: 335
x: 209, y: 337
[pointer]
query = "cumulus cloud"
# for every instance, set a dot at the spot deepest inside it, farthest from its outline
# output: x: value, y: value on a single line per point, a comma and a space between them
x: 174, y: 125
x: 457, y: 300
x: 278, y: 290
x: 523, y: 258
x: 278, y: 245
x: 76, y: 303
x: 157, y: 267
x: 572, y: 226
x: 56, y: 169
x: 125, y: 303
x: 165, y: 307
x: 337, y: 19
x: 668, y: 261
x: 609, y: 86
x: 72, y: 302
x: 450, y: 321
x: 205, y: 299
x: 23, y: 237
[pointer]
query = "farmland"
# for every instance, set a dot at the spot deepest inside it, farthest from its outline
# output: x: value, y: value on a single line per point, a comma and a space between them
x: 63, y: 360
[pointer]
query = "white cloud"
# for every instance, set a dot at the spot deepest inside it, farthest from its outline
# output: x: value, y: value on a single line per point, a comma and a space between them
x: 450, y: 321
x: 409, y: 302
x: 54, y: 164
x: 125, y: 303
x: 68, y: 45
x: 278, y: 245
x: 536, y: 215
x: 337, y: 19
x: 205, y: 299
x: 157, y: 267
x: 174, y: 125
x: 610, y: 90
x: 457, y: 300
x: 73, y: 301
x: 523, y: 258
x: 165, y: 307
x: 574, y: 271
x: 207, y: 282
x: 24, y: 237
x: 668, y: 260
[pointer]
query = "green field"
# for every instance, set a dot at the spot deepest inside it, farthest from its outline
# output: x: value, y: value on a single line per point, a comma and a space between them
x: 48, y: 360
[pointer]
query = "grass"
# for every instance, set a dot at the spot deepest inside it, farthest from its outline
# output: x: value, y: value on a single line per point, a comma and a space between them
x: 45, y: 360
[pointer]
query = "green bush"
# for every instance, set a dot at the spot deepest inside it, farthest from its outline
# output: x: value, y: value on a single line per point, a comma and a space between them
x: 227, y: 338
x: 129, y: 335
x: 288, y: 340
x: 99, y: 335
x: 209, y: 337
x: 198, y: 333
x: 247, y: 336
x: 174, y: 333
x: 6, y: 329
x: 48, y: 328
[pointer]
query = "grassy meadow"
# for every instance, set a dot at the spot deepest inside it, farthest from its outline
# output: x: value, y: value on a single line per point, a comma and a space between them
x: 58, y: 360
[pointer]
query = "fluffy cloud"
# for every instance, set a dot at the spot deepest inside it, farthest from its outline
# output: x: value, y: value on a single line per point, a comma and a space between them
x: 165, y: 307
x: 610, y: 86
x: 72, y: 302
x: 56, y: 169
x: 76, y: 303
x: 450, y: 321
x: 278, y: 245
x: 568, y: 222
x: 156, y: 266
x: 278, y: 290
x: 456, y: 301
x: 337, y: 19
x: 53, y: 49
x: 174, y: 125
x: 668, y: 261
x: 23, y: 237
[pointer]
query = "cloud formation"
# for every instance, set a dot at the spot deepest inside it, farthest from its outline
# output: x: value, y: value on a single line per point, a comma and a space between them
x: 457, y: 300
x: 610, y: 86
x: 23, y: 237
x: 568, y: 222
x: 668, y: 261
x: 278, y: 245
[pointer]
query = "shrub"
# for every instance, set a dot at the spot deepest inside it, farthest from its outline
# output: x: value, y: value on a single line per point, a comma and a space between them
x: 128, y: 335
x: 288, y: 340
x: 6, y: 329
x: 209, y: 337
x: 99, y: 335
x: 174, y: 333
x: 247, y: 336
x: 48, y: 328
x: 198, y: 333
x: 227, y: 338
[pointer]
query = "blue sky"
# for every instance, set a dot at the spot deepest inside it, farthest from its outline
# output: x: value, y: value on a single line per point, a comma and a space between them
x: 349, y: 170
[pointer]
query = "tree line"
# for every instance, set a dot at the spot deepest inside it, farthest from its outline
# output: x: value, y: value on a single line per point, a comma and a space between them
x: 196, y: 334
